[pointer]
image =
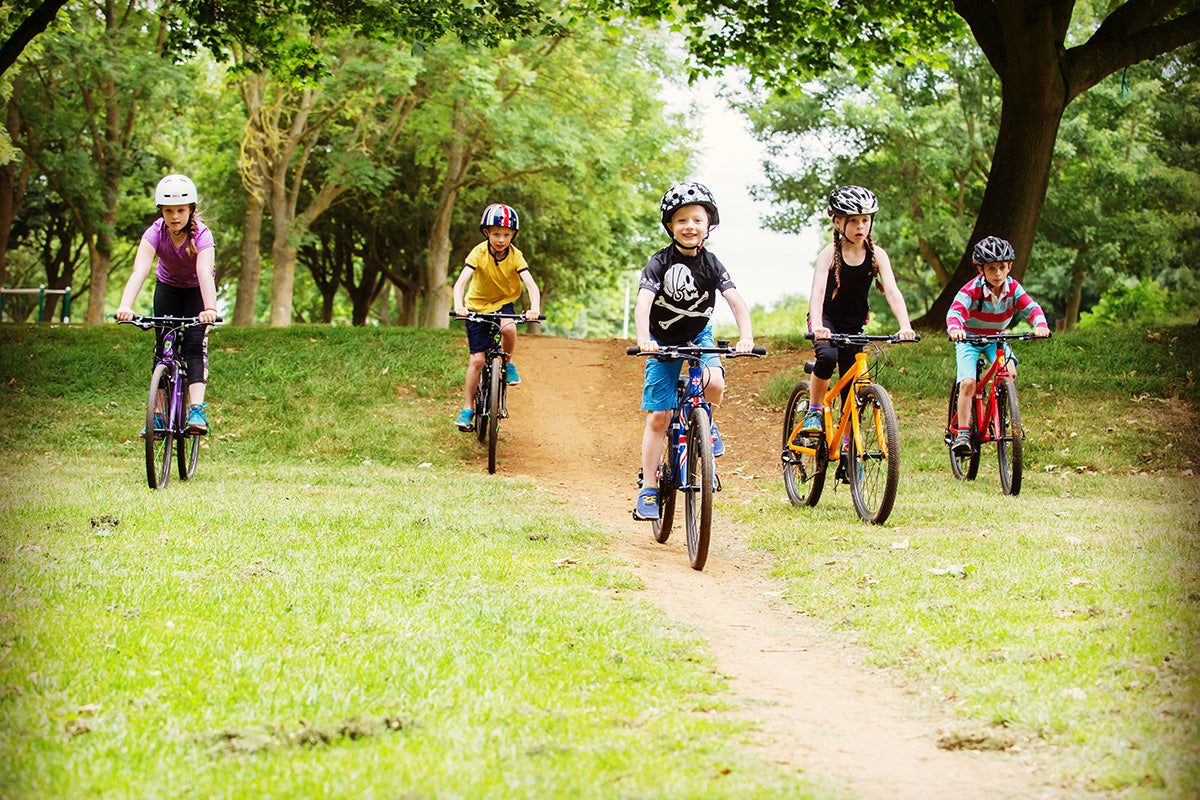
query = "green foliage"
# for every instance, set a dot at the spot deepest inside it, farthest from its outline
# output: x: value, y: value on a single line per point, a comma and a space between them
x: 1134, y: 303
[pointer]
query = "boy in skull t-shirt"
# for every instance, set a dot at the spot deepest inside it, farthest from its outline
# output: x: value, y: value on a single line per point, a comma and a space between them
x: 678, y: 293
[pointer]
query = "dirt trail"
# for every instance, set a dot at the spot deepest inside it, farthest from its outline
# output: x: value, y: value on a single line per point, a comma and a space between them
x: 575, y: 427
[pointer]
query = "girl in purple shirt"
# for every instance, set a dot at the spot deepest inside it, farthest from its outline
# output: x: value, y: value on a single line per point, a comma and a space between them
x: 180, y: 249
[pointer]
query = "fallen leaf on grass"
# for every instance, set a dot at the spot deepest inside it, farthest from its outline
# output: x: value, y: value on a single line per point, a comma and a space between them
x: 955, y: 570
x: 901, y: 545
x: 565, y: 562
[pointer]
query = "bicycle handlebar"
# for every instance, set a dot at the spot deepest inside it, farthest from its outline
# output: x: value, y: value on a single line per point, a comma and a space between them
x: 494, y: 316
x: 676, y: 352
x: 991, y: 338
x: 146, y: 322
x: 860, y: 338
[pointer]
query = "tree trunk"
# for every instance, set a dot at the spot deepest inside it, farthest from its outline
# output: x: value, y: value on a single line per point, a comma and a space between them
x: 438, y: 294
x: 1034, y: 97
x: 247, y: 284
x: 1071, y: 315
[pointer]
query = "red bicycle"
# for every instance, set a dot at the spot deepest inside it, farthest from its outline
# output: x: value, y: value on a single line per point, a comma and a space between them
x: 995, y: 416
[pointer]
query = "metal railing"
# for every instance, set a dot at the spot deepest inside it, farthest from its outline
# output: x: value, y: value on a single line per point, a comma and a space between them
x: 41, y: 292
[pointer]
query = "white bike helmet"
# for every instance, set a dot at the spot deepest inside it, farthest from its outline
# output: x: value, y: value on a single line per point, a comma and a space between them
x: 175, y: 190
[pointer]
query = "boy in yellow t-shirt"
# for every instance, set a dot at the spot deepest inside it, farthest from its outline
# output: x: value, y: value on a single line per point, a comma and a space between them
x: 496, y: 271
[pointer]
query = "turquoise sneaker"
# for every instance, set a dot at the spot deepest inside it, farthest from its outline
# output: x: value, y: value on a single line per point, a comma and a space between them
x: 718, y: 442
x: 511, y: 376
x: 197, y: 419
x: 814, y: 422
x: 160, y: 425
x: 466, y: 420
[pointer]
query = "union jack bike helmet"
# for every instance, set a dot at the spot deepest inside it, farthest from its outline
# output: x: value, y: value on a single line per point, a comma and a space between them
x: 175, y: 190
x: 501, y: 216
x: 993, y: 248
x: 850, y: 200
x: 686, y: 194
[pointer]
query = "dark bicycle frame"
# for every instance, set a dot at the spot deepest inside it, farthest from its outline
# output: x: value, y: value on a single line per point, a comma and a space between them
x: 487, y: 376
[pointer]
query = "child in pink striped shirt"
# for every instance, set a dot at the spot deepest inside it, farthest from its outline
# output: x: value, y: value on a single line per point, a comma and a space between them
x: 986, y: 305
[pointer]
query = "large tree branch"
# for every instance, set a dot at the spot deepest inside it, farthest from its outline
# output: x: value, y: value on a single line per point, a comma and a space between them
x: 984, y: 21
x: 1108, y: 50
x: 34, y: 24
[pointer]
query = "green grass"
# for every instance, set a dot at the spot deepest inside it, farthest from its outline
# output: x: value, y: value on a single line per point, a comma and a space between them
x: 333, y: 609
x: 329, y: 609
x: 1072, y: 622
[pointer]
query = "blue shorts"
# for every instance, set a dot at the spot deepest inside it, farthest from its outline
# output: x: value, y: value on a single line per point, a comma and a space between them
x: 965, y: 356
x: 658, y: 388
x: 479, y: 334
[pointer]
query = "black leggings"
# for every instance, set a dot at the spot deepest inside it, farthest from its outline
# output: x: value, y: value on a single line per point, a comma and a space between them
x: 175, y: 301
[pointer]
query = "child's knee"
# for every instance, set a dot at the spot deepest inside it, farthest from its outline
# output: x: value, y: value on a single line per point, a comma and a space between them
x: 657, y: 421
x: 477, y: 360
x: 966, y: 387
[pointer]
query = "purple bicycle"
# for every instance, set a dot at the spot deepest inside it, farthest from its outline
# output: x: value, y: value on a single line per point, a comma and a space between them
x: 166, y: 400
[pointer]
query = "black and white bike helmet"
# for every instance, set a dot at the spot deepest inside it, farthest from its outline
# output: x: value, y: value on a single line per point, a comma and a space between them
x: 686, y: 194
x: 850, y: 200
x: 993, y: 248
x: 175, y: 190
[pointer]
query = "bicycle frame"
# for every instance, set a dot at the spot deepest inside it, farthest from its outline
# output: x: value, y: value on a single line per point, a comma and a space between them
x: 689, y: 394
x: 986, y: 404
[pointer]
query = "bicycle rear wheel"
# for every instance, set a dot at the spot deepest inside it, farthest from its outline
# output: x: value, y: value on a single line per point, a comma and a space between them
x: 965, y: 466
x: 481, y: 404
x: 666, y: 491
x: 493, y: 410
x: 158, y: 450
x: 699, y: 478
x: 188, y: 448
x: 874, y: 472
x: 1010, y: 440
x: 803, y: 464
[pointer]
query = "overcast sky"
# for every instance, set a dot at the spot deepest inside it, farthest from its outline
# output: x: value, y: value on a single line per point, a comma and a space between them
x: 764, y: 264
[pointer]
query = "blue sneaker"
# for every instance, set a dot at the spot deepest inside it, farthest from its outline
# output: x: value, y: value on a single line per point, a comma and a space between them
x: 160, y: 425
x: 511, y: 376
x: 718, y: 442
x: 466, y: 420
x: 646, y: 509
x: 814, y: 422
x: 197, y: 419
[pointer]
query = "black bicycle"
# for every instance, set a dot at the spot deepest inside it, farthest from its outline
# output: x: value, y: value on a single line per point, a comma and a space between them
x: 491, y: 395
x: 167, y: 400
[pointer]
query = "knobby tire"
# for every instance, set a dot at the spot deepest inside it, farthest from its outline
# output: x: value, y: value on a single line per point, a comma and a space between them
x: 188, y: 447
x: 493, y: 410
x: 159, y: 451
x: 965, y: 466
x: 701, y: 479
x: 667, y: 482
x: 1010, y: 446
x: 803, y: 473
x: 874, y: 472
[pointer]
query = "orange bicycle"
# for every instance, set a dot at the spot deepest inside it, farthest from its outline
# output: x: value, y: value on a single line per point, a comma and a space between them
x: 870, y: 461
x: 995, y: 416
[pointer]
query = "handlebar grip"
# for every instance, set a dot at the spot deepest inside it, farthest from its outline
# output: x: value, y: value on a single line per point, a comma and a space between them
x: 632, y: 351
x: 759, y: 350
x: 810, y: 336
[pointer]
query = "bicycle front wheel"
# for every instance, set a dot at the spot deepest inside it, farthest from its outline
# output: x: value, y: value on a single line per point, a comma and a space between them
x: 188, y: 449
x: 158, y: 450
x: 699, y: 479
x: 666, y: 491
x: 874, y: 471
x: 1010, y: 439
x: 804, y: 457
x: 481, y: 404
x: 493, y: 410
x: 965, y: 466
